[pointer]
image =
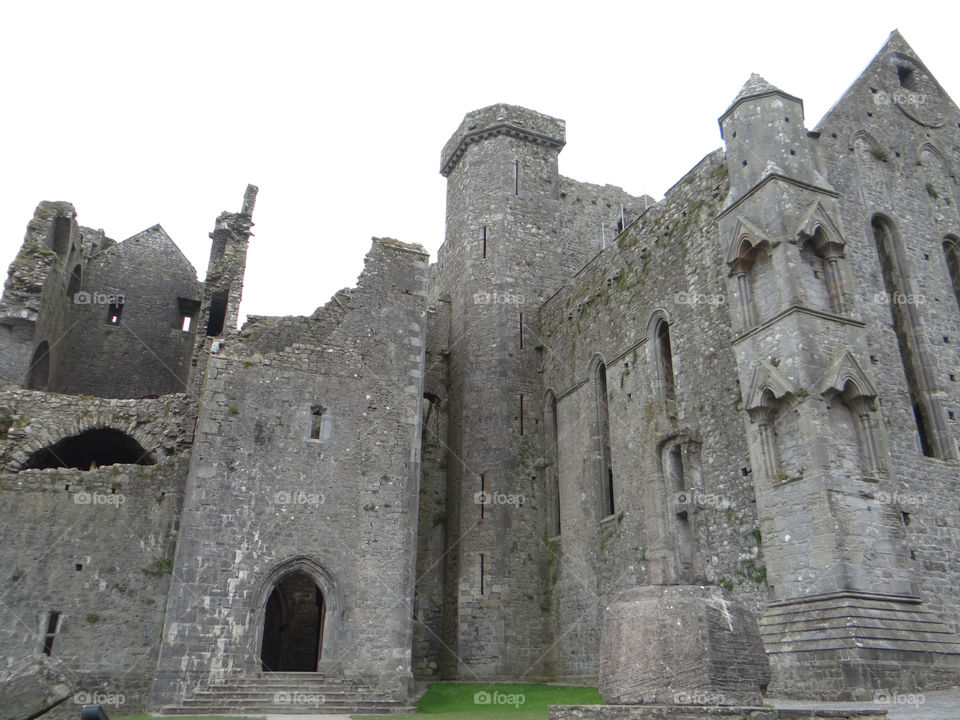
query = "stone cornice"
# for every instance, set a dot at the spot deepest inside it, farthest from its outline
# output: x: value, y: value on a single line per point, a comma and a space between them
x: 769, y: 178
x: 452, y: 155
x: 793, y: 309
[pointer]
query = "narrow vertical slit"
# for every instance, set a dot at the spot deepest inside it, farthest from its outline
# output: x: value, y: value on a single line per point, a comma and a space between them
x: 521, y: 414
x: 53, y: 621
x: 481, y: 573
x: 483, y: 495
x: 484, y: 240
x: 521, y: 331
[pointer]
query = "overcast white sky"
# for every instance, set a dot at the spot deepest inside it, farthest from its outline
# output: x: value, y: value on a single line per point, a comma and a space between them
x: 162, y: 113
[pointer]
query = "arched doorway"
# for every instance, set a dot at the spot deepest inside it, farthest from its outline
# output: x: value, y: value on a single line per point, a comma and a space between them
x: 293, y: 625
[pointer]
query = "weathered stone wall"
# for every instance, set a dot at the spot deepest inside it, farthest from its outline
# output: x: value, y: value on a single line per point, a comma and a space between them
x: 264, y: 496
x: 501, y: 241
x: 145, y: 352
x: 515, y: 231
x: 36, y: 303
x: 667, y: 264
x: 893, y: 150
x: 32, y: 420
x: 96, y: 547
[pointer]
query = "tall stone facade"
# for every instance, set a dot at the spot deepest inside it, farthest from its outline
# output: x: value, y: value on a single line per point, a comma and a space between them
x: 453, y: 470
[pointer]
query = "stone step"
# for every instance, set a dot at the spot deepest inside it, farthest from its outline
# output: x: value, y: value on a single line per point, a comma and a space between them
x: 325, y: 689
x: 259, y: 700
x: 290, y: 710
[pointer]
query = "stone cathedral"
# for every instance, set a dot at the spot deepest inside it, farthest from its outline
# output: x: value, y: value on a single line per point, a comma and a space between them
x: 451, y: 469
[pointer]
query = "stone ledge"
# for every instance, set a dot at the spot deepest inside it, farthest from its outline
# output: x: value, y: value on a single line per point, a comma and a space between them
x: 699, y: 712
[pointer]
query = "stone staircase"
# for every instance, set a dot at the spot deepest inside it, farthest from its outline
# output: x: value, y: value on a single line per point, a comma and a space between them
x: 855, y: 620
x: 289, y: 693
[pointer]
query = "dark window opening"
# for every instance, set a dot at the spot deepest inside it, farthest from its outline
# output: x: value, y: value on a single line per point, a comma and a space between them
x: 73, y: 287
x: 894, y: 284
x: 293, y: 625
x: 951, y: 250
x: 316, y: 421
x: 53, y: 624
x: 521, y: 414
x: 187, y: 310
x: 603, y: 440
x: 923, y: 431
x: 114, y: 312
x: 218, y: 314
x: 481, y: 573
x: 61, y: 235
x: 38, y: 374
x: 484, y: 240
x: 665, y: 361
x: 483, y: 496
x: 907, y: 78
x: 78, y: 567
x: 90, y: 449
x: 551, y: 431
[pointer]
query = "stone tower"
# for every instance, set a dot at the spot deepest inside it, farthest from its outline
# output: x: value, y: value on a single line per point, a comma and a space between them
x: 817, y: 441
x: 502, y: 208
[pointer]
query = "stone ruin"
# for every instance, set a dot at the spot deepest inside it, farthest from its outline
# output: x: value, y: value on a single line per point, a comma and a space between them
x: 737, y: 406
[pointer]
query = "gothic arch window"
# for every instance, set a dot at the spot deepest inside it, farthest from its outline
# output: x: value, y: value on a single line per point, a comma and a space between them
x: 763, y: 415
x: 938, y: 183
x: 828, y: 251
x: 861, y: 405
x: 741, y: 268
x: 870, y: 160
x: 664, y: 357
x: 951, y: 252
x: 602, y: 439
x: 752, y: 266
x: 933, y: 440
x: 552, y: 457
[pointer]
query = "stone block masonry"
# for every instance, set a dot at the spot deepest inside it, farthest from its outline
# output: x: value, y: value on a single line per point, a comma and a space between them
x: 452, y: 470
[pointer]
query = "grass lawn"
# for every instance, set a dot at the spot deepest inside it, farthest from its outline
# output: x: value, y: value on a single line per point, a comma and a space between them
x: 476, y: 701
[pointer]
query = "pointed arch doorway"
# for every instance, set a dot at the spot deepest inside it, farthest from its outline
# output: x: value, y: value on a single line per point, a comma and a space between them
x: 293, y: 625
